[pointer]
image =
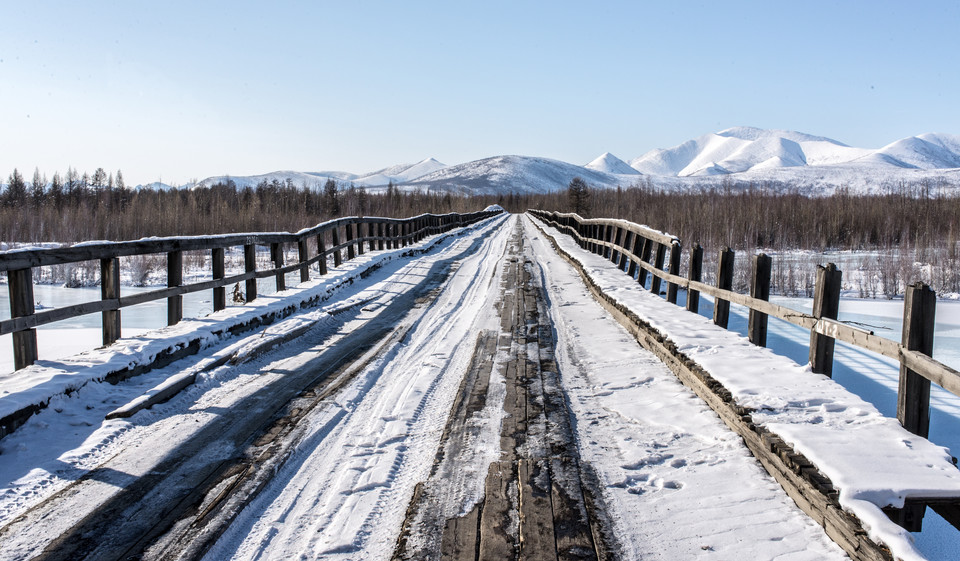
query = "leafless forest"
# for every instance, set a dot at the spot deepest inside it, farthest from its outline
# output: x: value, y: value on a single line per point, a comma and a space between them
x: 892, y: 239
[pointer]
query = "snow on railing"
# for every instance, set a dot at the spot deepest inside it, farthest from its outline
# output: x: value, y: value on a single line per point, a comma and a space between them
x: 330, y: 238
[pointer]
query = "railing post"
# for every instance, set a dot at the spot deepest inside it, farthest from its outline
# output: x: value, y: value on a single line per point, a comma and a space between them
x: 351, y: 252
x: 337, y: 258
x: 322, y: 253
x: 276, y: 255
x: 674, y: 269
x: 360, y: 238
x: 607, y: 237
x: 695, y: 273
x: 760, y: 289
x: 913, y: 396
x: 174, y: 278
x: 721, y: 307
x: 616, y: 238
x: 627, y: 242
x: 372, y: 234
x: 250, y: 266
x: 659, y: 259
x: 219, y: 271
x: 381, y: 234
x: 22, y: 305
x: 644, y: 258
x: 303, y: 255
x: 110, y: 290
x: 826, y: 304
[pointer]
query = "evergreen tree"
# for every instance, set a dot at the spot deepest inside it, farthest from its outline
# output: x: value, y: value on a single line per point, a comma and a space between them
x: 579, y: 196
x: 16, y: 191
x: 331, y: 197
x: 36, y: 189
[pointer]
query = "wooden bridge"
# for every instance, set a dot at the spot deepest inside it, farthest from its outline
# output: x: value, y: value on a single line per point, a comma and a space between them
x: 554, y: 524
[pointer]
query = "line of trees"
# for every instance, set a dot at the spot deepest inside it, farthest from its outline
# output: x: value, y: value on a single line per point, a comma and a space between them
x: 78, y: 207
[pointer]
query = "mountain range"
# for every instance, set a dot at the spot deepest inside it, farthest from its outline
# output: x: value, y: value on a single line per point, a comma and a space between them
x: 734, y: 157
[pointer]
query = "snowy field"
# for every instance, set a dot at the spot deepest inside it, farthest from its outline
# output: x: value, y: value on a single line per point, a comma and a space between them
x: 646, y: 436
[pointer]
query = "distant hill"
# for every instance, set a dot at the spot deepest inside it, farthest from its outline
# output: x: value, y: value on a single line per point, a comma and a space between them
x: 733, y: 157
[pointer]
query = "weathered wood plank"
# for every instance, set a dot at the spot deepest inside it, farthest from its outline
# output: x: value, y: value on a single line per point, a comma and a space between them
x: 721, y: 307
x: 22, y: 305
x: 759, y: 289
x: 913, y: 395
x: 217, y: 259
x: 110, y: 291
x: 174, y: 279
x: 826, y: 304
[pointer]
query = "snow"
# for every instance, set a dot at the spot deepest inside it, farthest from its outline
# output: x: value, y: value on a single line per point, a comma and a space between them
x: 608, y: 163
x: 870, y: 458
x: 662, y: 460
x: 658, y: 449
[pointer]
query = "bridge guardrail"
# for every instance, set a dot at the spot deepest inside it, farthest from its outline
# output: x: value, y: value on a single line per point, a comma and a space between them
x: 381, y: 233
x: 618, y: 240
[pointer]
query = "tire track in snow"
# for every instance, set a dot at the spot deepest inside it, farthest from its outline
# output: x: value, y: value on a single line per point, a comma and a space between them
x: 346, y: 497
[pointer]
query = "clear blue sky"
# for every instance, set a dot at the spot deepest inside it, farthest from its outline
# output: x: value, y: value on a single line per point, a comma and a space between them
x: 185, y: 90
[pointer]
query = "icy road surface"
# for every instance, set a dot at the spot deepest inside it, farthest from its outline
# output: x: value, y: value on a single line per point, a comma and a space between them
x: 315, y: 449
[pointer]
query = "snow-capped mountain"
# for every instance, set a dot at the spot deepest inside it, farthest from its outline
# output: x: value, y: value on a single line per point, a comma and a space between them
x: 608, y: 163
x: 517, y: 174
x: 733, y: 157
x: 398, y: 174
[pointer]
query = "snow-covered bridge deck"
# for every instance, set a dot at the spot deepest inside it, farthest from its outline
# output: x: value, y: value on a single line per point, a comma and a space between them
x: 474, y: 402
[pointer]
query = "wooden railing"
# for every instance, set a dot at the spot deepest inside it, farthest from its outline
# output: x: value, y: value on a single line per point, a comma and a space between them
x: 630, y: 246
x: 331, y: 239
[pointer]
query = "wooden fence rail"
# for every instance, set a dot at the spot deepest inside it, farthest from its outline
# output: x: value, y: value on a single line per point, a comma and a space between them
x: 377, y: 232
x: 918, y: 369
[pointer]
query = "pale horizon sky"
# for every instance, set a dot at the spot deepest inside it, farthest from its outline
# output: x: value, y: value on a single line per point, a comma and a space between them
x: 178, y: 91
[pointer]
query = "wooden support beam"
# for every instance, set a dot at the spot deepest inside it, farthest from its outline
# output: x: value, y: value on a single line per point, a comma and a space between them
x: 337, y: 257
x: 351, y: 252
x: 658, y: 263
x: 627, y: 243
x: 695, y: 273
x: 913, y: 395
x: 615, y: 236
x: 219, y: 271
x: 674, y: 269
x: 174, y: 278
x: 21, y: 305
x: 381, y: 233
x: 110, y: 290
x: 645, y: 258
x: 303, y: 255
x: 760, y: 289
x: 721, y: 308
x: 276, y: 255
x: 250, y: 266
x: 826, y: 304
x: 322, y: 252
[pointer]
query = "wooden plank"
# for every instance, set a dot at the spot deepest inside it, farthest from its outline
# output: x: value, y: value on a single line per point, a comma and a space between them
x: 496, y: 527
x: 304, y: 258
x: 337, y: 258
x: 219, y: 271
x: 25, y: 351
x: 321, y: 254
x: 695, y: 273
x: 174, y: 279
x: 674, y: 270
x: 110, y: 290
x: 250, y: 266
x: 913, y: 395
x: 826, y: 304
x: 537, y: 541
x: 461, y: 537
x: 759, y: 289
x: 276, y: 255
x: 721, y: 307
